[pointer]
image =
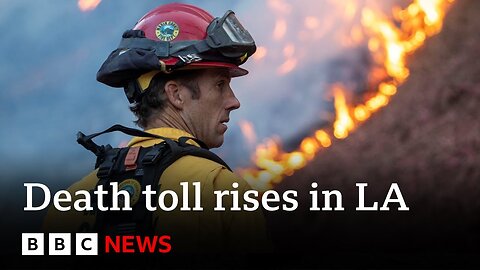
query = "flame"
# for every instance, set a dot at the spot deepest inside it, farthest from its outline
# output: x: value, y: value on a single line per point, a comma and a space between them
x: 343, y: 123
x: 88, y: 5
x: 389, y: 40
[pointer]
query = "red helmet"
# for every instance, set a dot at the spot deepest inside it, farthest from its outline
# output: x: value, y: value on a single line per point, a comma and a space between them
x: 177, y: 37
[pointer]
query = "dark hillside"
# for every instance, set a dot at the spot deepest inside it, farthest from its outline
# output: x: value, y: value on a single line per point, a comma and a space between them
x: 428, y: 141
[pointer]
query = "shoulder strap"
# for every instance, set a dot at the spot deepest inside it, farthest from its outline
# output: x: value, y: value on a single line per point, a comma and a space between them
x: 152, y: 174
x: 86, y: 140
x: 184, y: 149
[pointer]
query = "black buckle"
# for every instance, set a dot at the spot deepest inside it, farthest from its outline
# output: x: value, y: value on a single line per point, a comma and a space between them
x: 155, y: 153
x: 87, y: 142
x: 106, y: 163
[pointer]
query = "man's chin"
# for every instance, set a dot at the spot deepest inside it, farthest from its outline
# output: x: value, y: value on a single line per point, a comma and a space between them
x: 215, y: 143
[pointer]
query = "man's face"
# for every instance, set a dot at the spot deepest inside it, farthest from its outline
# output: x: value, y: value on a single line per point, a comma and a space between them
x: 206, y: 116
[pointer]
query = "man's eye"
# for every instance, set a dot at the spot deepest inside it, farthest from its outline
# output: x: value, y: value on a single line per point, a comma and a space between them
x: 221, y: 84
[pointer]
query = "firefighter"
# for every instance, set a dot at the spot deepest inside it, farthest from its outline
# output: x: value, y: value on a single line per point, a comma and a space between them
x: 175, y: 67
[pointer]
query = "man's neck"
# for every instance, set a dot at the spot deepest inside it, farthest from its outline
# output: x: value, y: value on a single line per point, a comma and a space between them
x: 169, y: 118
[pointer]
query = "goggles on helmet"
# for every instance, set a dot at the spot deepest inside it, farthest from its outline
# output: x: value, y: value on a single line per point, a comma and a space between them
x: 227, y: 41
x: 229, y: 37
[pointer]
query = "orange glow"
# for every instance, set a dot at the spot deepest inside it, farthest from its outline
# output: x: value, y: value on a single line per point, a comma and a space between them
x: 260, y: 53
x: 248, y: 131
x: 376, y: 102
x: 287, y: 66
x: 373, y: 44
x: 361, y: 113
x: 387, y: 89
x: 296, y: 160
x: 350, y: 9
x: 356, y: 35
x: 88, y: 5
x: 309, y: 146
x: 432, y: 15
x: 289, y: 50
x: 280, y: 29
x: 311, y: 22
x: 343, y: 123
x: 290, y: 62
x: 390, y: 39
x: 323, y: 138
x: 279, y: 6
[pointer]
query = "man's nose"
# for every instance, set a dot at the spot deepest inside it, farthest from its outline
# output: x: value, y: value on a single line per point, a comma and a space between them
x: 233, y: 102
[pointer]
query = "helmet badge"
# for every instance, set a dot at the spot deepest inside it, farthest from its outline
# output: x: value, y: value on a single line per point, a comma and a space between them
x: 167, y: 31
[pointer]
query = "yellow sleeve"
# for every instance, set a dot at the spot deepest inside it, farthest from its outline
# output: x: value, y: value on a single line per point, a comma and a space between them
x: 72, y: 220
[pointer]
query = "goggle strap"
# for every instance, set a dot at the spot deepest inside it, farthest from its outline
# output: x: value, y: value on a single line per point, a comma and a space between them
x: 195, y: 50
x: 162, y: 48
x: 165, y: 49
x: 202, y: 46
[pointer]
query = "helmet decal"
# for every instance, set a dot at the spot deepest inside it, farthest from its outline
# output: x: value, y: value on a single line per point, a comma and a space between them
x: 167, y: 31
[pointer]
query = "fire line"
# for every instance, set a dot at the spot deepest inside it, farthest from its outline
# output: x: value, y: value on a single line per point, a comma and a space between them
x: 389, y: 42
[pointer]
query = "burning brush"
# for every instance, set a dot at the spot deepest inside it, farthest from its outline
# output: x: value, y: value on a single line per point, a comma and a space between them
x: 389, y: 41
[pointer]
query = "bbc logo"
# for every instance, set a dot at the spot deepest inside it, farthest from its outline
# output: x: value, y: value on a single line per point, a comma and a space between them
x: 60, y: 244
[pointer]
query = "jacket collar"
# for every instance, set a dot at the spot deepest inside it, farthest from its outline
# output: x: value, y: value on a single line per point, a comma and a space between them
x: 171, y: 133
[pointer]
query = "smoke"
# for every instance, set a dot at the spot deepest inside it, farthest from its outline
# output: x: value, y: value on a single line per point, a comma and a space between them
x: 51, y: 52
x: 307, y: 47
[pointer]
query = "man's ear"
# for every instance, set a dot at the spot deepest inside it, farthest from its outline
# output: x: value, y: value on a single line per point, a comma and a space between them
x: 174, y: 94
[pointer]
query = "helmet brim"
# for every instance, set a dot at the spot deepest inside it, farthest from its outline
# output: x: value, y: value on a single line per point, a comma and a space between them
x: 235, y: 71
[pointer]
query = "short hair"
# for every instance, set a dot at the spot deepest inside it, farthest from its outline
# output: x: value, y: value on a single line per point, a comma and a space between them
x: 154, y: 99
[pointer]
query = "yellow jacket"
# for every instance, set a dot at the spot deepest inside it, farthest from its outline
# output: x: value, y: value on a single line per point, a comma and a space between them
x: 190, y: 231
